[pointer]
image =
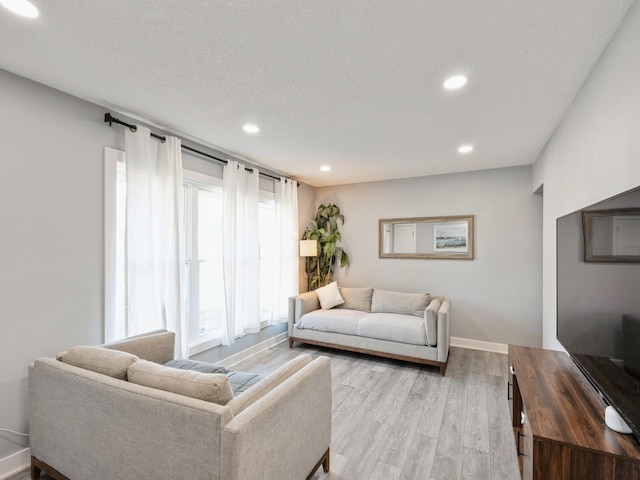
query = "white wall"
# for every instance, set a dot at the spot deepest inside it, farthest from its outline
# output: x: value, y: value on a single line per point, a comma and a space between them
x: 497, y: 296
x: 594, y: 152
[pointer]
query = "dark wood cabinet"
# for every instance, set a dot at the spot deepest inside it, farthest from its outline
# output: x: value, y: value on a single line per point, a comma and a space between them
x: 558, y: 421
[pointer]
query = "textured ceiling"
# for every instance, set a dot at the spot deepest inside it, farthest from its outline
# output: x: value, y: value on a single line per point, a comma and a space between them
x: 353, y: 84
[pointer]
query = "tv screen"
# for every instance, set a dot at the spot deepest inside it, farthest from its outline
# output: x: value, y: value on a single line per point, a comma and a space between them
x: 598, y: 298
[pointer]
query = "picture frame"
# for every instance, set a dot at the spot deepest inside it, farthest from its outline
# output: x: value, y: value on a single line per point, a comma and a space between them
x: 427, y: 237
x: 451, y: 237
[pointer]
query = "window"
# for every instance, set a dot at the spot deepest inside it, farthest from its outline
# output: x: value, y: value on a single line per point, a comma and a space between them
x: 115, y: 192
x: 267, y: 221
x: 204, y: 280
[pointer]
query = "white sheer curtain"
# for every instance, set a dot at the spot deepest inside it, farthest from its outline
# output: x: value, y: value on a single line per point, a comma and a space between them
x: 153, y: 236
x: 241, y: 246
x: 286, y: 274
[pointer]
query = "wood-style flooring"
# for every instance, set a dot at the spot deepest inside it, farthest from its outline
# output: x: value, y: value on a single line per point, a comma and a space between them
x: 396, y: 420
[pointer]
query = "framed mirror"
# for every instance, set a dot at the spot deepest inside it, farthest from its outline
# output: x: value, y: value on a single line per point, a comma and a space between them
x: 611, y: 235
x: 426, y: 237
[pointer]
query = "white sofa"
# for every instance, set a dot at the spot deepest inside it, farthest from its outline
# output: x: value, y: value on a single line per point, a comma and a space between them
x: 87, y: 425
x: 404, y: 326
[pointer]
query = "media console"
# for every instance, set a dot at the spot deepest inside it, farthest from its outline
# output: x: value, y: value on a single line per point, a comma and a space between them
x: 558, y: 421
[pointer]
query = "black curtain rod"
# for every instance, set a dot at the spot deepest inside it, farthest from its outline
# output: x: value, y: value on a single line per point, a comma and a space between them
x: 108, y: 118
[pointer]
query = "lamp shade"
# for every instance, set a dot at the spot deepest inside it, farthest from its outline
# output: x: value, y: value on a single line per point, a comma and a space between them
x: 308, y: 248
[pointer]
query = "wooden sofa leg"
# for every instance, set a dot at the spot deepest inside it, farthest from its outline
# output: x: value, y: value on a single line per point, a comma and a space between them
x: 290, y: 343
x: 324, y: 461
x: 443, y: 368
x: 35, y: 471
x: 38, y: 466
x: 326, y: 464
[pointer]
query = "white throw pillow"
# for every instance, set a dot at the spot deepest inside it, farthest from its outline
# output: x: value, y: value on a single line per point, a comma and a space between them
x: 329, y: 296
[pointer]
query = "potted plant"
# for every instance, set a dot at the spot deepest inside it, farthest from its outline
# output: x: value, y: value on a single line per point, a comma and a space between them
x: 324, y: 229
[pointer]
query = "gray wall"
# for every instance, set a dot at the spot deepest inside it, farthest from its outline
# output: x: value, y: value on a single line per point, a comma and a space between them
x: 593, y: 153
x: 497, y: 296
x: 51, y: 242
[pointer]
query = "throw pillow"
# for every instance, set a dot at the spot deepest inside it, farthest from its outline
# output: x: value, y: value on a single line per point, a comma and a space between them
x: 356, y: 298
x: 329, y: 296
x: 399, y: 302
x: 210, y: 387
x: 100, y: 360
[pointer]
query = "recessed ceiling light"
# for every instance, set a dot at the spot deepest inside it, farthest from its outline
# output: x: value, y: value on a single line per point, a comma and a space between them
x: 325, y: 168
x: 21, y: 7
x: 454, y: 82
x: 465, y: 149
x: 251, y: 128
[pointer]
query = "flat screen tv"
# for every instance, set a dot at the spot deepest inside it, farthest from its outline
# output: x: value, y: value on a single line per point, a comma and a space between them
x: 598, y: 299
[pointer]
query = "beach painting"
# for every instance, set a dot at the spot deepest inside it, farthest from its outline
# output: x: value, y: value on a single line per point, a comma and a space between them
x: 451, y: 237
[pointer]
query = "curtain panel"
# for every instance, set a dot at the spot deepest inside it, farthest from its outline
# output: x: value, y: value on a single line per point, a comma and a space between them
x: 154, y: 241
x: 241, y: 247
x: 286, y: 275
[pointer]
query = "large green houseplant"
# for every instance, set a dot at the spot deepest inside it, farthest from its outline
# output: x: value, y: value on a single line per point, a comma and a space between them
x: 324, y: 229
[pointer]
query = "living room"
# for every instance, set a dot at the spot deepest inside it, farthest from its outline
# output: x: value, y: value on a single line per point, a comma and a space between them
x: 52, y: 273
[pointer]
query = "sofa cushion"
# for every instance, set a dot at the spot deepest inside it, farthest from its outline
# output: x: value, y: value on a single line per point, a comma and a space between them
x: 100, y: 360
x: 356, y: 298
x: 394, y: 327
x: 329, y: 296
x: 398, y: 302
x: 268, y: 384
x: 337, y: 321
x: 239, y: 381
x: 211, y: 387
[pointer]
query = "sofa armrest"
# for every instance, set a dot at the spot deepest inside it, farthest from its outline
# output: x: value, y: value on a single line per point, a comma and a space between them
x: 431, y: 321
x: 157, y: 346
x: 444, y: 330
x: 299, y: 305
x: 285, y: 433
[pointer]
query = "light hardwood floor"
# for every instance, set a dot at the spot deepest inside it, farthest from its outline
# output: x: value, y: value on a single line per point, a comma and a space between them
x: 395, y: 420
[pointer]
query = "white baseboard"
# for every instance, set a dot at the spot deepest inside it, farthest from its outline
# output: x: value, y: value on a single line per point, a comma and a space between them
x: 15, y: 463
x: 251, y: 351
x: 479, y: 345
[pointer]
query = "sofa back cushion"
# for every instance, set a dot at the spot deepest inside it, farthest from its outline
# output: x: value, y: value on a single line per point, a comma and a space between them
x: 100, y: 360
x: 356, y: 298
x: 384, y: 301
x: 211, y: 387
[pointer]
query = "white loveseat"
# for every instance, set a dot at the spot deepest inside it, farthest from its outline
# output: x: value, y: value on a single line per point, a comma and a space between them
x: 405, y: 326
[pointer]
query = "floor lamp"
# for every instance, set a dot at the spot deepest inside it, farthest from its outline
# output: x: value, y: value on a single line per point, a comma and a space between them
x: 309, y: 248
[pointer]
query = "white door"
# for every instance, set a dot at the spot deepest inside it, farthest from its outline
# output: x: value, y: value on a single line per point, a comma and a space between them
x: 404, y: 238
x: 626, y: 235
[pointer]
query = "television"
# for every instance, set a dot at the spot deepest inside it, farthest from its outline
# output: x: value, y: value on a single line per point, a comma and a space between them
x: 598, y: 299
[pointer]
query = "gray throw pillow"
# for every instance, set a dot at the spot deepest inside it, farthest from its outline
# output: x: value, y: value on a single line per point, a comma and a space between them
x: 356, y: 298
x: 399, y: 302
